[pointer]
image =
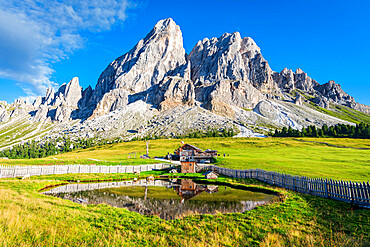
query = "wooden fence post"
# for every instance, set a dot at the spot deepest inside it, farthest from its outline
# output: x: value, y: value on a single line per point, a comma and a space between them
x: 367, y: 192
x: 326, y: 188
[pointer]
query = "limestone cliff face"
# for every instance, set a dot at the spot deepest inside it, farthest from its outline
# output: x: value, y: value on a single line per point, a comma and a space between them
x: 145, y: 65
x: 334, y: 92
x: 55, y: 106
x: 285, y: 80
x: 230, y: 70
x: 175, y: 91
x: 232, y: 93
x: 113, y: 100
x: 361, y: 107
x: 233, y: 58
x: 65, y: 101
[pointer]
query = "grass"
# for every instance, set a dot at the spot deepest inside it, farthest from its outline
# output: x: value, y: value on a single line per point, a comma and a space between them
x: 19, y: 130
x: 344, y: 113
x: 285, y: 155
x: 29, y: 218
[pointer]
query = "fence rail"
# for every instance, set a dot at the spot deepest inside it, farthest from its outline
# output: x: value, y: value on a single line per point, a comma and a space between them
x: 352, y: 192
x: 26, y: 171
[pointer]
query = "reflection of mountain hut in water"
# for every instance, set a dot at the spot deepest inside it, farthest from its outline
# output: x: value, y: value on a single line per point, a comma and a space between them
x: 211, y: 189
x: 188, y: 189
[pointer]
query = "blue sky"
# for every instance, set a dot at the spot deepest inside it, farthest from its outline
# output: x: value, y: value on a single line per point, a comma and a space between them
x: 46, y: 43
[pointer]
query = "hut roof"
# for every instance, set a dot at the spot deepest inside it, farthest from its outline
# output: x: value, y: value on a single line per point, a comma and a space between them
x: 210, y: 172
x: 192, y: 146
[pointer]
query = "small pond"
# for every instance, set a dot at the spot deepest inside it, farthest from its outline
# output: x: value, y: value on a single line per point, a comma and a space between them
x: 168, y: 199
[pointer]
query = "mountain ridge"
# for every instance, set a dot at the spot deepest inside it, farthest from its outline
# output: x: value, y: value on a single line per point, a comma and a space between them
x: 220, y: 75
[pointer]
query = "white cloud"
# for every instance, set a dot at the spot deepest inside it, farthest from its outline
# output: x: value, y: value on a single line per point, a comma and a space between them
x: 36, y: 33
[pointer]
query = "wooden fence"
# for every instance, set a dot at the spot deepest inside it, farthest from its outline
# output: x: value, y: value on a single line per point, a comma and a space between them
x: 26, y: 171
x: 352, y: 192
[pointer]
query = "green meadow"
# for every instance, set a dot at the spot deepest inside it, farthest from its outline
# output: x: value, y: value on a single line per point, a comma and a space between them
x: 336, y: 158
x: 29, y: 218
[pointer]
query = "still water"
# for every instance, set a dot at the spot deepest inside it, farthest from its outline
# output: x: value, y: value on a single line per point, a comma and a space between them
x: 168, y: 199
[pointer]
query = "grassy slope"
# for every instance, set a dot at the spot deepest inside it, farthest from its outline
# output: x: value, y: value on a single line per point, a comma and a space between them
x: 19, y: 130
x: 31, y: 219
x: 284, y: 155
x: 344, y: 113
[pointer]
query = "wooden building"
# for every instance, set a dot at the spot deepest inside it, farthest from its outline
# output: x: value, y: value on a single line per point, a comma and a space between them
x: 188, y: 165
x: 188, y: 150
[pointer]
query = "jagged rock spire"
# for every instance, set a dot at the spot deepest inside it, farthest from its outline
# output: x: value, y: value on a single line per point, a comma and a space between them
x: 142, y: 67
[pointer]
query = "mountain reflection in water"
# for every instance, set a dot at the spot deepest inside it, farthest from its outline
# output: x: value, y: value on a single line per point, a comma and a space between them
x: 168, y: 199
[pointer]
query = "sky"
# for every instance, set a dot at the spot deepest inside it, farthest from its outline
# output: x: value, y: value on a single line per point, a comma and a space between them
x: 46, y: 43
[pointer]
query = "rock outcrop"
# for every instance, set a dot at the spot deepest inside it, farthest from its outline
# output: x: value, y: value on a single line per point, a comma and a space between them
x: 226, y: 93
x: 321, y: 101
x: 111, y: 101
x: 298, y: 99
x: 361, y: 107
x: 55, y: 106
x: 304, y: 82
x: 334, y: 93
x: 285, y: 80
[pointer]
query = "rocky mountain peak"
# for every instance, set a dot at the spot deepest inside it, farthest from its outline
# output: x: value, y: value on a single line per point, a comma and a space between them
x: 165, y: 24
x: 284, y: 71
x: 299, y: 71
x: 221, y: 58
x: 73, y: 92
x: 141, y: 68
x: 334, y: 92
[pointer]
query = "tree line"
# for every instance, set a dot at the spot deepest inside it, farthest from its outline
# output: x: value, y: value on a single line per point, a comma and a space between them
x: 39, y: 149
x: 209, y: 133
x: 195, y: 134
x: 361, y: 130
